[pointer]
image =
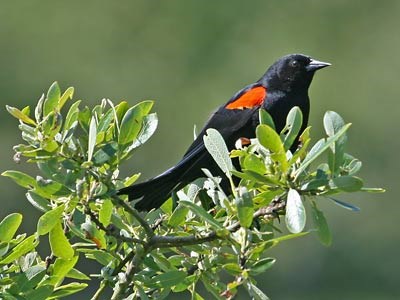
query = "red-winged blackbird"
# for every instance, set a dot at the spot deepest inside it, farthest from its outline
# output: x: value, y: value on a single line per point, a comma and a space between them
x: 283, y: 86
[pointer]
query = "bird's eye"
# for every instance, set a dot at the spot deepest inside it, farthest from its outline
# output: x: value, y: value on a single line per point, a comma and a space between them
x: 294, y: 63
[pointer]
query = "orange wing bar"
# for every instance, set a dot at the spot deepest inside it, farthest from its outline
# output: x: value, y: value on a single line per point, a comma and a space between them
x: 250, y: 99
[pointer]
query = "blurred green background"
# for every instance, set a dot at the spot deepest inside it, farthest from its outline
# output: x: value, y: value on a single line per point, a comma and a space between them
x: 191, y: 56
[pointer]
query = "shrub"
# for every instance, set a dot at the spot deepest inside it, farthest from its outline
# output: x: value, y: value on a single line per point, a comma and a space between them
x: 197, y: 235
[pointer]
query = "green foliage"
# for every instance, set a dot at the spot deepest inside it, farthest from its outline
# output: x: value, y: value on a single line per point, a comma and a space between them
x: 172, y: 249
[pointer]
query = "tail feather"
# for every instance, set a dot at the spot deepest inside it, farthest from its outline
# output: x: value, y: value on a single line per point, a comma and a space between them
x: 152, y: 193
x: 156, y: 191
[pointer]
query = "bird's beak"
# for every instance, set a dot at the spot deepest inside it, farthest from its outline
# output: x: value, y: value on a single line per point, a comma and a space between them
x: 316, y: 65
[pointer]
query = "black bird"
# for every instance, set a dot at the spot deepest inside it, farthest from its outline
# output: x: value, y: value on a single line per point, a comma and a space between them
x: 283, y: 86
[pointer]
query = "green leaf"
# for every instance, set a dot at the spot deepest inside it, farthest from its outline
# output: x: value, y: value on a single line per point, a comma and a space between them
x: 142, y: 293
x: 269, y: 139
x: 68, y: 94
x: 22, y: 248
x: 324, y: 234
x: 106, y: 153
x: 120, y: 110
x: 333, y: 122
x: 265, y: 118
x: 9, y: 226
x: 61, y: 268
x: 94, y: 234
x: 92, y: 138
x: 373, y: 190
x: 344, y: 204
x: 132, y: 122
x: 50, y: 219
x: 353, y: 166
x: 261, y: 266
x: 265, y: 198
x: 216, y: 146
x: 40, y: 293
x: 232, y: 268
x: 72, y: 115
x: 39, y: 109
x: 162, y: 262
x: 103, y: 257
x: 295, y: 213
x: 20, y: 178
x: 51, y: 188
x: 294, y: 121
x: 34, y: 274
x: 131, y: 180
x: 52, y: 99
x: 76, y: 274
x: 212, y: 286
x: 254, y: 163
x: 117, y: 221
x: 184, y: 285
x: 168, y: 279
x: 314, y: 184
x: 178, y: 217
x: 319, y: 148
x: 52, y: 124
x: 26, y: 111
x: 305, y: 135
x: 59, y: 243
x: 67, y: 289
x: 200, y: 212
x: 257, y: 177
x: 50, y: 146
x: 167, y: 206
x: 15, y: 112
x: 347, y: 183
x: 105, y: 121
x: 245, y: 208
x: 84, y: 117
x: 196, y: 296
x: 26, y: 264
x: 275, y: 241
x: 194, y: 188
x: 28, y: 130
x: 106, y: 212
x: 257, y: 294
x: 149, y: 126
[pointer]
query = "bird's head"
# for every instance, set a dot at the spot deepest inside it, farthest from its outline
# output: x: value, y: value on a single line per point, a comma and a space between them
x: 292, y: 72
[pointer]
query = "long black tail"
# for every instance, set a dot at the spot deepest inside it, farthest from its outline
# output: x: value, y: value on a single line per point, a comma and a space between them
x: 152, y: 193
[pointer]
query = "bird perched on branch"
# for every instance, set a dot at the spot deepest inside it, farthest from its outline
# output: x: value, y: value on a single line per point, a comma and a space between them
x: 283, y: 86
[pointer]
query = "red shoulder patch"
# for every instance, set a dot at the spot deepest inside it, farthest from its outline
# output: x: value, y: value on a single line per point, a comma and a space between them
x: 250, y: 99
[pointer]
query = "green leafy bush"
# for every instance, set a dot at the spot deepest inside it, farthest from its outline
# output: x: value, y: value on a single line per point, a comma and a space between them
x: 170, y: 250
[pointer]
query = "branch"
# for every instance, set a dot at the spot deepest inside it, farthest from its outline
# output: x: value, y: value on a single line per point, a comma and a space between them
x: 98, y: 293
x: 269, y: 212
x: 134, y: 260
x: 110, y: 230
x: 123, y: 263
x: 125, y: 281
x: 163, y: 241
x: 136, y: 215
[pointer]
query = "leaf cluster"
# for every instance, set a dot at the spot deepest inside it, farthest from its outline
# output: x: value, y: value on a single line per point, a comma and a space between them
x: 200, y: 236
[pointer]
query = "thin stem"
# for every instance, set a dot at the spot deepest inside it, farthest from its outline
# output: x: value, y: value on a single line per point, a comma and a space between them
x: 233, y: 188
x: 163, y: 241
x: 123, y: 263
x: 101, y: 289
x: 110, y: 231
x: 136, y: 215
